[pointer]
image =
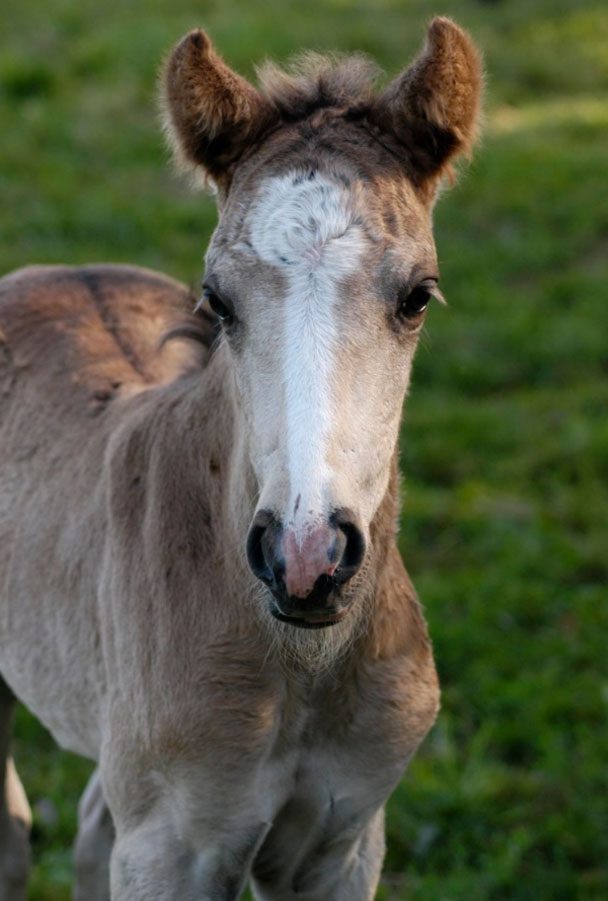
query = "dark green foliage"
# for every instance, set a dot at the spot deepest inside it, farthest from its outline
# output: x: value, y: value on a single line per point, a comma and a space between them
x: 505, y: 443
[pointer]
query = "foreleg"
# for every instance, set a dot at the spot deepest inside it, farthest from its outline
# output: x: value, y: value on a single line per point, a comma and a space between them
x: 155, y: 863
x: 344, y: 867
x: 176, y: 843
x: 93, y: 844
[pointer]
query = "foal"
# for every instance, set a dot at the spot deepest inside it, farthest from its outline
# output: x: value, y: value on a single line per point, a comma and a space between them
x: 200, y: 586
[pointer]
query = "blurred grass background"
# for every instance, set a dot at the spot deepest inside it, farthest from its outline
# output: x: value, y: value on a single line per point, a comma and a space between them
x: 505, y: 442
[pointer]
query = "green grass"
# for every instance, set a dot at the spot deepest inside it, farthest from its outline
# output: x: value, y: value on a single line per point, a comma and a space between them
x: 505, y: 442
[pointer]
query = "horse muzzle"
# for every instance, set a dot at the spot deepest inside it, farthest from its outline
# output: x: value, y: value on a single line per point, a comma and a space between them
x: 305, y: 573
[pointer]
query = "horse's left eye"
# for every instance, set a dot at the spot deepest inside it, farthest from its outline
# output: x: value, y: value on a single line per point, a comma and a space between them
x: 219, y: 307
x: 415, y: 302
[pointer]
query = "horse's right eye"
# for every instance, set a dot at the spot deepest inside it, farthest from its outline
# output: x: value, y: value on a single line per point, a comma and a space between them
x: 415, y: 302
x: 219, y: 307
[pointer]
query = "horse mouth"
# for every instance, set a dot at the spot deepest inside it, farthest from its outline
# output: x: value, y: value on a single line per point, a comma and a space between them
x: 321, y: 621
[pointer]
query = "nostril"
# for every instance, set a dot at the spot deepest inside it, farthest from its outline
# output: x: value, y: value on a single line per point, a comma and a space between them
x: 307, y: 569
x: 355, y: 546
x: 352, y: 543
x: 255, y: 553
x: 261, y: 547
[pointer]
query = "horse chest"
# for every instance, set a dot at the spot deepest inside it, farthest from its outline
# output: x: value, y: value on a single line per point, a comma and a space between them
x: 320, y: 771
x: 331, y: 760
x: 310, y: 795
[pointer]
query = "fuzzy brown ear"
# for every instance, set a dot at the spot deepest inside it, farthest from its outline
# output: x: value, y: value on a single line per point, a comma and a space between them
x: 212, y: 114
x: 432, y: 108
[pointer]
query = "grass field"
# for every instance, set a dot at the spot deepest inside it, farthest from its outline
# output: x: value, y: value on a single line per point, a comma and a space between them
x: 505, y: 441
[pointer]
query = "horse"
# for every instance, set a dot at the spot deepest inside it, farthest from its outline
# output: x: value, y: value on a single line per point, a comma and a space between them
x: 200, y: 587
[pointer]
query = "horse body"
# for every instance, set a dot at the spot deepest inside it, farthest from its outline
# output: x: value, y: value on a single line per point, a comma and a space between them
x: 201, y: 589
x: 63, y: 374
x: 281, y: 734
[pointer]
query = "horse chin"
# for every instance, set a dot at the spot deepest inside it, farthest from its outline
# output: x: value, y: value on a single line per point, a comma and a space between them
x: 307, y: 644
x: 312, y: 622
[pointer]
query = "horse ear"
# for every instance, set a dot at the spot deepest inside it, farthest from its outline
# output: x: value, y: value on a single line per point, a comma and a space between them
x: 433, y: 106
x: 212, y: 114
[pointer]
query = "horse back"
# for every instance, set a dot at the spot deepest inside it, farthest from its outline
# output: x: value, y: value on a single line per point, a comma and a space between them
x: 94, y: 322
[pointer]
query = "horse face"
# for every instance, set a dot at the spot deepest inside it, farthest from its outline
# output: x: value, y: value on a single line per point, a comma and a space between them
x: 321, y: 308
x: 320, y: 272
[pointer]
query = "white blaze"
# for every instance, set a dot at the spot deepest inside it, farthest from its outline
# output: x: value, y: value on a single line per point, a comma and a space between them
x: 304, y: 226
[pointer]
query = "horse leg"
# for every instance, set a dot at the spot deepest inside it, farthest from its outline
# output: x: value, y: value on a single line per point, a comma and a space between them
x: 15, y: 813
x: 93, y: 844
x: 184, y: 834
x: 154, y: 863
x: 345, y: 867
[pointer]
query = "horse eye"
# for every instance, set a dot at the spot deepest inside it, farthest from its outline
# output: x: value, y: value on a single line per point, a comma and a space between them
x: 221, y: 310
x: 414, y: 303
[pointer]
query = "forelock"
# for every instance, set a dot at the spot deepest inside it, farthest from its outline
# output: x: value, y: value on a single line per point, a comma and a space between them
x: 314, y: 81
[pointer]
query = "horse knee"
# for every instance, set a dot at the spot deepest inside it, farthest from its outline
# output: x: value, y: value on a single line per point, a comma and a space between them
x: 153, y: 863
x: 344, y: 868
x: 146, y: 864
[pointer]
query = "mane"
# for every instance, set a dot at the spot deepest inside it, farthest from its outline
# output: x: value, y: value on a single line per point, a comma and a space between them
x: 312, y: 81
x: 201, y: 326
